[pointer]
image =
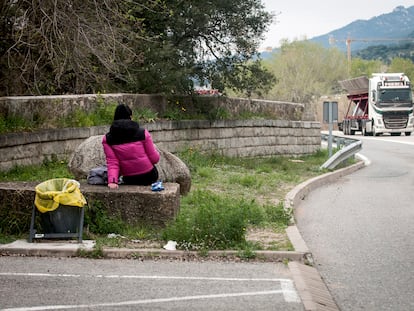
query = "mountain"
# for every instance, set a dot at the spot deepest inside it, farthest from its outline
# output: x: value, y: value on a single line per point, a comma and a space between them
x: 399, y: 24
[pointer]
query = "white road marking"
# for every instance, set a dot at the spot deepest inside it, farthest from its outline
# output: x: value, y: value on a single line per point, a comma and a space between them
x: 144, y: 301
x: 288, y: 290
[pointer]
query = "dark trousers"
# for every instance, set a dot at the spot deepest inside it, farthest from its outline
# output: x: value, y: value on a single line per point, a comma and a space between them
x: 143, y: 179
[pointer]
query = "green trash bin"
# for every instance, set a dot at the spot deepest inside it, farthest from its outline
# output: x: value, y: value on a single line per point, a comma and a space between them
x: 61, y: 206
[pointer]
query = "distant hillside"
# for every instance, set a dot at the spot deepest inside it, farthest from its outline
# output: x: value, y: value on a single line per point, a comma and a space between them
x: 386, y: 53
x: 397, y: 24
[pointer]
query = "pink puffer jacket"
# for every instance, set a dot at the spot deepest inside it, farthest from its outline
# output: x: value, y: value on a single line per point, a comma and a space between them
x: 129, y: 150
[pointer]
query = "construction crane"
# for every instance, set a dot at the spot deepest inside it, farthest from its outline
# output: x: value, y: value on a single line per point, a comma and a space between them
x: 348, y: 41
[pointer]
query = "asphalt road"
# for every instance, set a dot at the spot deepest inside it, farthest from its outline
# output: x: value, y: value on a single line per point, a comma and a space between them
x: 360, y: 229
x: 36, y: 283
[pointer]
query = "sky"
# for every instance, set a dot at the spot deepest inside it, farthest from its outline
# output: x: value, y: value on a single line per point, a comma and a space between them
x: 309, y: 18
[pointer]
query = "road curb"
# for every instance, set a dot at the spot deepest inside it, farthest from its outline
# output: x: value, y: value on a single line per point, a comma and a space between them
x: 271, y: 256
x: 311, y: 288
x: 87, y: 249
x: 300, y: 192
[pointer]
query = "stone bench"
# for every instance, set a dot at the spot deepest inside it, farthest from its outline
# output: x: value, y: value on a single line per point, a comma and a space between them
x: 132, y: 204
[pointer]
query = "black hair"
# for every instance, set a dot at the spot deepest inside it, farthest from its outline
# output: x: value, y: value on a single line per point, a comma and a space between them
x: 122, y: 111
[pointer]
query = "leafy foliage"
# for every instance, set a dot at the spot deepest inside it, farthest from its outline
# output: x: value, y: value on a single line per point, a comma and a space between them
x: 305, y: 70
x: 361, y: 67
x: 156, y: 46
x: 209, y: 221
x: 399, y: 64
x: 386, y: 53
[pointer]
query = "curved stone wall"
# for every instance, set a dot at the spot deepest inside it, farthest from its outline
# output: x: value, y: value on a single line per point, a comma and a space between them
x: 242, y: 138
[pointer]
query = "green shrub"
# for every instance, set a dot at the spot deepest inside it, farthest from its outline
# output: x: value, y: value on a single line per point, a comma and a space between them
x: 98, y: 221
x: 145, y: 115
x: 211, y: 221
x: 15, y: 123
x: 49, y: 169
x: 277, y: 214
x: 103, y: 114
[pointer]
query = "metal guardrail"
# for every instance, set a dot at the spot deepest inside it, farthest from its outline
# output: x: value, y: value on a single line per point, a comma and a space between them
x: 351, y: 147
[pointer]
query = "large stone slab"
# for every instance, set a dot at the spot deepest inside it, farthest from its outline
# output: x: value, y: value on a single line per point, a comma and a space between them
x: 136, y: 204
x: 132, y: 204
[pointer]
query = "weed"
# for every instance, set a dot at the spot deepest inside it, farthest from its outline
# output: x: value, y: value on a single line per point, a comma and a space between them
x: 16, y: 123
x: 145, y: 115
x: 176, y: 111
x: 101, y: 115
x: 98, y: 221
x: 218, y: 113
x: 246, y: 253
x: 96, y: 253
x: 7, y: 238
x: 277, y: 214
x: 248, y: 181
x: 49, y: 169
x: 203, y: 252
x: 211, y: 221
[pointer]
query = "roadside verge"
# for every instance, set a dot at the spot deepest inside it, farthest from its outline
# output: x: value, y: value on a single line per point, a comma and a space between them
x: 300, y: 254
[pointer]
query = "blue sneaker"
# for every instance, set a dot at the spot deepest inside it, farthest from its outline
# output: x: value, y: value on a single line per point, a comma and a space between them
x: 157, y: 186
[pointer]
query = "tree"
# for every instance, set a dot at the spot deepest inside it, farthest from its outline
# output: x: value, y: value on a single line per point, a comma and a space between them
x: 361, y: 67
x: 152, y: 46
x: 53, y: 47
x: 402, y: 65
x: 211, y: 42
x: 305, y: 70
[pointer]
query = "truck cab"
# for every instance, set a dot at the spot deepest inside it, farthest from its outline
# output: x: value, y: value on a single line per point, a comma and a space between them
x: 383, y: 104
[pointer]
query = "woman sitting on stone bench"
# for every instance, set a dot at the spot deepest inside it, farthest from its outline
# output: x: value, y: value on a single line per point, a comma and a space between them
x: 130, y: 151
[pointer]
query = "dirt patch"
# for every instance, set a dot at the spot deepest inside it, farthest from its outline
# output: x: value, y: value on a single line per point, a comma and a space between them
x: 263, y: 238
x: 269, y: 239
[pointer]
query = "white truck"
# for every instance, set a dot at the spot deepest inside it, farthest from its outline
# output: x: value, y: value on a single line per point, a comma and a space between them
x: 381, y: 104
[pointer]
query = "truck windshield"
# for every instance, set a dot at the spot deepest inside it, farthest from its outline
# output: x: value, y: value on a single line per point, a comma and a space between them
x: 395, y: 98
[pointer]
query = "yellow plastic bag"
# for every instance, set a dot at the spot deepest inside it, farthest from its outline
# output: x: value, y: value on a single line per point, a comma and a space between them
x: 51, y: 193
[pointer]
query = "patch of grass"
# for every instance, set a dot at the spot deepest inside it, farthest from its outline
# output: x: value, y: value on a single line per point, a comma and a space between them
x: 247, y: 181
x: 13, y: 221
x: 229, y: 196
x: 14, y: 123
x: 145, y: 115
x: 96, y: 253
x: 7, y: 238
x: 99, y: 224
x: 218, y: 113
x: 247, y: 253
x: 209, y: 221
x: 97, y: 220
x: 103, y: 114
x: 49, y: 169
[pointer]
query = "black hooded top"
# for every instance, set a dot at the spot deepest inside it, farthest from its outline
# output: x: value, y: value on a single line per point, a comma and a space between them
x: 124, y: 131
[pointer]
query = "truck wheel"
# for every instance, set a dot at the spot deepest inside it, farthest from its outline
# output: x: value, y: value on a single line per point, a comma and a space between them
x: 407, y: 133
x: 364, y: 131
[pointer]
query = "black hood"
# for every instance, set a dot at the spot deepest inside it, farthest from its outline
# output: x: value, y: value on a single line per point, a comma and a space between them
x: 124, y: 131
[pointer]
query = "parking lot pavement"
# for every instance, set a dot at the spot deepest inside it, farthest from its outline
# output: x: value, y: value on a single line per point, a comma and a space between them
x: 38, y: 283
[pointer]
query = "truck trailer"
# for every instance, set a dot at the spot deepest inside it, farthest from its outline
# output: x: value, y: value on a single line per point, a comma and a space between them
x: 378, y: 105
